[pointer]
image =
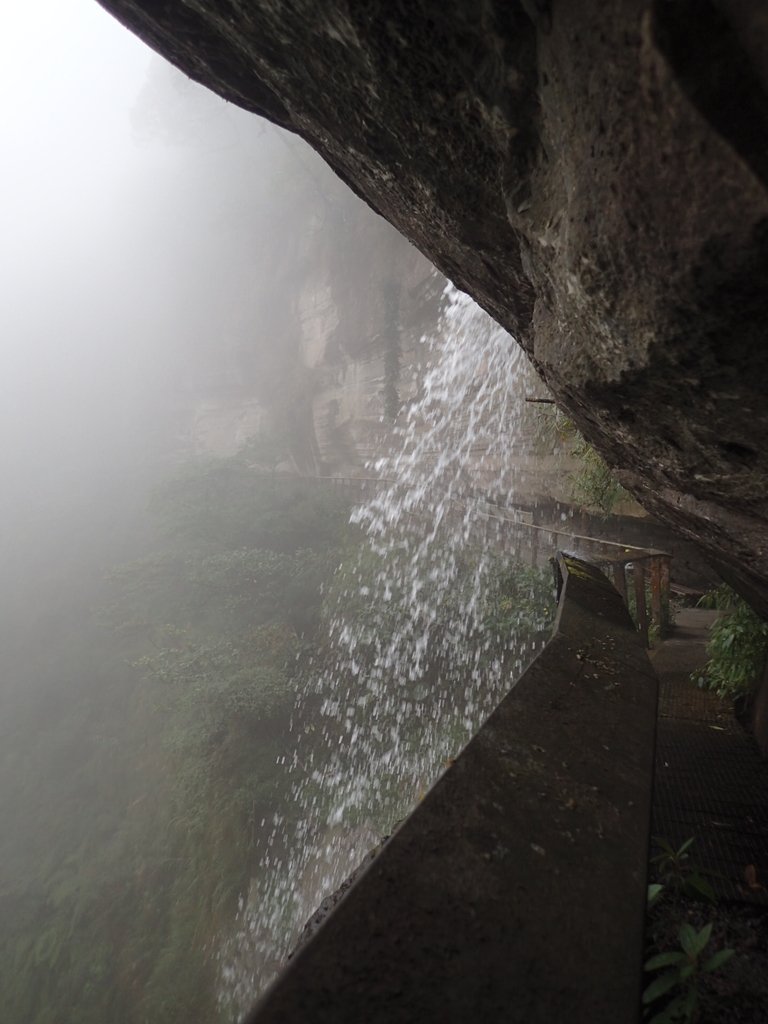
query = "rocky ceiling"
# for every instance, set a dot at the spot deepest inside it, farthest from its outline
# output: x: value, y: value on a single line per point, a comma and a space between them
x: 593, y: 173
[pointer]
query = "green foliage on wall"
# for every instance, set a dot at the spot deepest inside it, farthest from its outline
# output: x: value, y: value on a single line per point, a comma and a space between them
x: 593, y: 484
x: 737, y: 648
x: 513, y: 599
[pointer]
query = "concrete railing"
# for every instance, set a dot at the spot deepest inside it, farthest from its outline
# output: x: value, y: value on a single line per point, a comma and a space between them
x: 516, y: 890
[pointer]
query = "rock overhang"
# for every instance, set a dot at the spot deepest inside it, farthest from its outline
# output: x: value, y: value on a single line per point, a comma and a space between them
x: 593, y: 174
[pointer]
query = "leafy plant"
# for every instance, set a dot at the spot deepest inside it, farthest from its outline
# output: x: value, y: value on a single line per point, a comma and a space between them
x: 679, y: 873
x: 656, y: 631
x: 737, y: 648
x: 722, y: 598
x: 514, y: 597
x: 553, y: 428
x: 594, y: 486
x: 683, y: 969
x: 655, y: 892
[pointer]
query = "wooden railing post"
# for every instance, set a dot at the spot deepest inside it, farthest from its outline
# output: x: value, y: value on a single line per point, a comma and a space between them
x: 657, y: 615
x: 641, y: 612
x: 666, y: 622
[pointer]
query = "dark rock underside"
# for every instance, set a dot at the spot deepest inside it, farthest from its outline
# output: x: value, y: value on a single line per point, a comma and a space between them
x: 593, y: 173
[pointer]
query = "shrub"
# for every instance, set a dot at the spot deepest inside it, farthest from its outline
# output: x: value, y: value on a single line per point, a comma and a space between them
x: 737, y: 648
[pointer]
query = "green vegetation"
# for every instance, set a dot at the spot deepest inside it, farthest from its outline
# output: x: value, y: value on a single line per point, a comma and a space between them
x: 674, y: 996
x: 593, y: 485
x: 155, y: 758
x: 679, y: 986
x: 678, y: 873
x: 738, y: 646
x: 514, y: 599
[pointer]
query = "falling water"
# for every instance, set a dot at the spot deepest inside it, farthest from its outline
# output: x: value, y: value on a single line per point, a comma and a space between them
x: 419, y: 658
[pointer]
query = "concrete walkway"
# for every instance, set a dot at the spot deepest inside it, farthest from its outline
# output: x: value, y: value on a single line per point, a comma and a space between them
x: 711, y: 781
x: 483, y: 905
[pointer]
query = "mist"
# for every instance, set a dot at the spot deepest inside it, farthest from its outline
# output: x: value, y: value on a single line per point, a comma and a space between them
x: 156, y: 242
x: 209, y: 709
x: 137, y: 226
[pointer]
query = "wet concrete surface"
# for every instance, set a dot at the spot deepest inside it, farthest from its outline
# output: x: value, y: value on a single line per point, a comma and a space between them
x: 516, y: 890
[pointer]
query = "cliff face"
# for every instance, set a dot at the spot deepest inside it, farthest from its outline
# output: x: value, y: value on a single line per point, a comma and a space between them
x: 335, y: 351
x: 344, y: 354
x: 594, y: 174
x: 361, y: 308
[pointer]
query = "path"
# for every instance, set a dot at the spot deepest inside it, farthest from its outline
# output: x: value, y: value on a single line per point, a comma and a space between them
x: 711, y: 781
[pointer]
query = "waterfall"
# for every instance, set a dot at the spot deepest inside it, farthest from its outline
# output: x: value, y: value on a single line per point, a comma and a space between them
x: 424, y: 636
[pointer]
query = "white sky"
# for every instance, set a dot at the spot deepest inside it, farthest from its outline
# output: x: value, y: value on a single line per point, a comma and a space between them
x: 69, y: 74
x: 121, y: 260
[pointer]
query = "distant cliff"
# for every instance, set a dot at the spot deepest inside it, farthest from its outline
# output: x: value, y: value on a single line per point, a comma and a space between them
x: 346, y: 353
x: 338, y: 338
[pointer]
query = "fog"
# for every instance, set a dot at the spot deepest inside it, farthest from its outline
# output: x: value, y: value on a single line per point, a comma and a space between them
x: 136, y: 222
x: 154, y: 239
x: 198, y: 324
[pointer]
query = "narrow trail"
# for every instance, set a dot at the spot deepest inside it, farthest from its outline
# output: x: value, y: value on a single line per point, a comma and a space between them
x: 711, y: 781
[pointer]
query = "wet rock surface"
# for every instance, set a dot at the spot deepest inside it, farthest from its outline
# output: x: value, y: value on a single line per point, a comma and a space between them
x: 593, y: 174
